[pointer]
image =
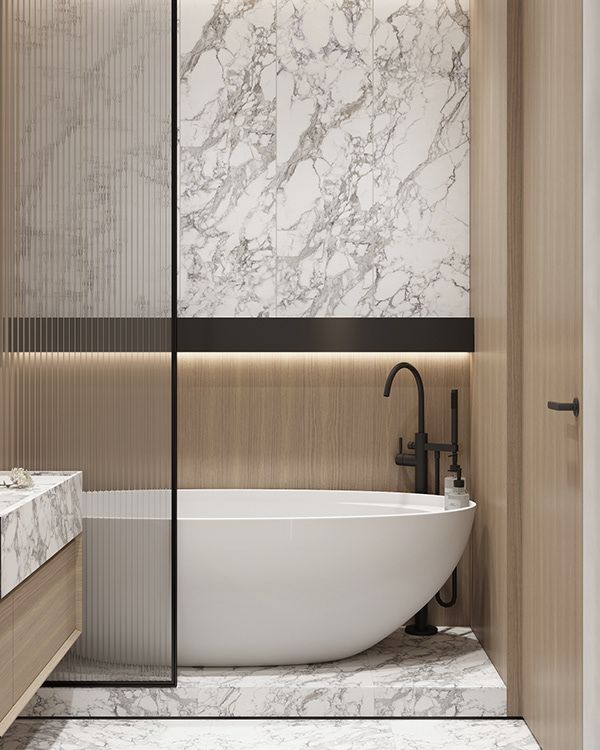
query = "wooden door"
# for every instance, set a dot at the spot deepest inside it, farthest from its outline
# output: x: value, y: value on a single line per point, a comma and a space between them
x: 552, y: 370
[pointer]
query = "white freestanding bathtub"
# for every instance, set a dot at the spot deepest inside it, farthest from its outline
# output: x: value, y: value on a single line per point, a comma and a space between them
x: 272, y: 577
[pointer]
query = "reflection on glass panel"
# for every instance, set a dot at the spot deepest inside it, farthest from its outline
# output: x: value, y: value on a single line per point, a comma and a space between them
x: 85, y: 301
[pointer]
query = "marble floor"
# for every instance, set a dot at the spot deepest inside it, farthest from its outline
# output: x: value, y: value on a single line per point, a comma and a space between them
x: 449, y: 675
x: 299, y: 734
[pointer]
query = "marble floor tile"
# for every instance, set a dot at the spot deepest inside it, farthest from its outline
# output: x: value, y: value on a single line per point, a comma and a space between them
x: 403, y: 676
x: 202, y: 734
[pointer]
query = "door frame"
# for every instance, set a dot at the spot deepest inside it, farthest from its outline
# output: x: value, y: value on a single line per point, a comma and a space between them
x: 591, y: 372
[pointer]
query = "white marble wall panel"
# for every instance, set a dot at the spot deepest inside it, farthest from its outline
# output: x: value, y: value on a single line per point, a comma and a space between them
x: 421, y: 141
x: 324, y: 158
x: 227, y: 158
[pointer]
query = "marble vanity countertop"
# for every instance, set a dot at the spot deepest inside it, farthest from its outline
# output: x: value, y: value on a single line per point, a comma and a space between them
x: 36, y: 523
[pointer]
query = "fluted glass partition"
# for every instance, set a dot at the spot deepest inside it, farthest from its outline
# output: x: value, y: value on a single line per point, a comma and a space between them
x: 86, y: 303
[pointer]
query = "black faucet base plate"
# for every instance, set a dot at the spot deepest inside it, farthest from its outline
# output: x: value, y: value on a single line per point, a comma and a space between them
x: 416, y: 630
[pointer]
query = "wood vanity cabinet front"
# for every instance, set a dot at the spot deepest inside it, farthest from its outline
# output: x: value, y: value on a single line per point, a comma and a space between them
x: 6, y: 655
x: 39, y: 622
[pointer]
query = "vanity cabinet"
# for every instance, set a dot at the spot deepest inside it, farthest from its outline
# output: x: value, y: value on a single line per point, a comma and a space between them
x: 39, y: 622
x: 6, y: 655
x: 40, y: 583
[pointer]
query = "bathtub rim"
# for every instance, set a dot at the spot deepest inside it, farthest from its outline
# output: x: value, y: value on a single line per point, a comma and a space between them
x: 429, y: 505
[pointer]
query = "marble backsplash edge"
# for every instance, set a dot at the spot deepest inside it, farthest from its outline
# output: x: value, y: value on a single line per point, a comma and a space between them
x: 36, y: 529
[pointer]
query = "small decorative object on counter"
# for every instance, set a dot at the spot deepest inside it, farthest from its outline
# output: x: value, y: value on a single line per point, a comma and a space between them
x: 20, y: 479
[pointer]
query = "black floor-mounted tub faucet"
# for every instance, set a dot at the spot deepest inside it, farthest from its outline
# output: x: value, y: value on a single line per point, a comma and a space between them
x: 419, y: 460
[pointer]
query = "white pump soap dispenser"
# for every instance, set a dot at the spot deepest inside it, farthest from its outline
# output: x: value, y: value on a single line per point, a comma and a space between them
x: 457, y: 496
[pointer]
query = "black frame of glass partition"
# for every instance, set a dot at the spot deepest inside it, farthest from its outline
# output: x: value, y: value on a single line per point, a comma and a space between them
x: 174, y: 348
x: 172, y: 682
x: 243, y: 335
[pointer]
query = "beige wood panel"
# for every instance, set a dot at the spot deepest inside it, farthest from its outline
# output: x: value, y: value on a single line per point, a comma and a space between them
x: 44, y: 616
x: 6, y: 655
x: 39, y: 622
x: 514, y: 400
x: 314, y: 420
x: 37, y: 683
x: 552, y: 370
x: 78, y: 542
x: 106, y: 414
x: 489, y: 27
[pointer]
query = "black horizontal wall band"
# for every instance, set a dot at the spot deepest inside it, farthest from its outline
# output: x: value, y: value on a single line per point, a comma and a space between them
x: 240, y: 335
x: 325, y: 334
x: 88, y: 334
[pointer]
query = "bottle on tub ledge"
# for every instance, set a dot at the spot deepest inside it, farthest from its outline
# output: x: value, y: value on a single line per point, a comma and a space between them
x: 455, y: 493
x: 451, y: 477
x: 449, y: 481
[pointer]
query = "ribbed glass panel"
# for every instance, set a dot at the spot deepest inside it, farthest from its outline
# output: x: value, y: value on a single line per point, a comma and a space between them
x: 86, y: 301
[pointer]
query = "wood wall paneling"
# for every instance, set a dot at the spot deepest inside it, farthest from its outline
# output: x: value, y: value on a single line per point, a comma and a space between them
x: 526, y: 301
x: 552, y: 370
x: 317, y: 421
x: 490, y: 308
x: 106, y: 414
x: 514, y: 396
x: 496, y: 301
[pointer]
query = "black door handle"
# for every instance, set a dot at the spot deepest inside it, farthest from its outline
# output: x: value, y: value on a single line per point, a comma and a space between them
x: 568, y: 406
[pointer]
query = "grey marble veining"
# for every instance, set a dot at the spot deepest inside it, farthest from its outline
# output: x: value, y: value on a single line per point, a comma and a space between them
x: 421, y: 145
x: 36, y: 523
x: 227, y: 158
x: 449, y: 675
x: 94, y: 158
x: 509, y: 734
x: 324, y: 158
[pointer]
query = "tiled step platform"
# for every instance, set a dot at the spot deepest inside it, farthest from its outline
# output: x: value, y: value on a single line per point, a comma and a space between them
x: 403, y: 676
x: 270, y: 734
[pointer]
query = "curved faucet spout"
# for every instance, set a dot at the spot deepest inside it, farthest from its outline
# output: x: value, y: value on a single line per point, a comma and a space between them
x: 419, y: 382
x: 418, y: 460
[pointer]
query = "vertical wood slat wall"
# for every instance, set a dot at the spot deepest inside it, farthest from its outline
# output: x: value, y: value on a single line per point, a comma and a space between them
x: 526, y: 218
x: 86, y: 236
x: 317, y: 420
x: 552, y: 620
x: 496, y: 300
